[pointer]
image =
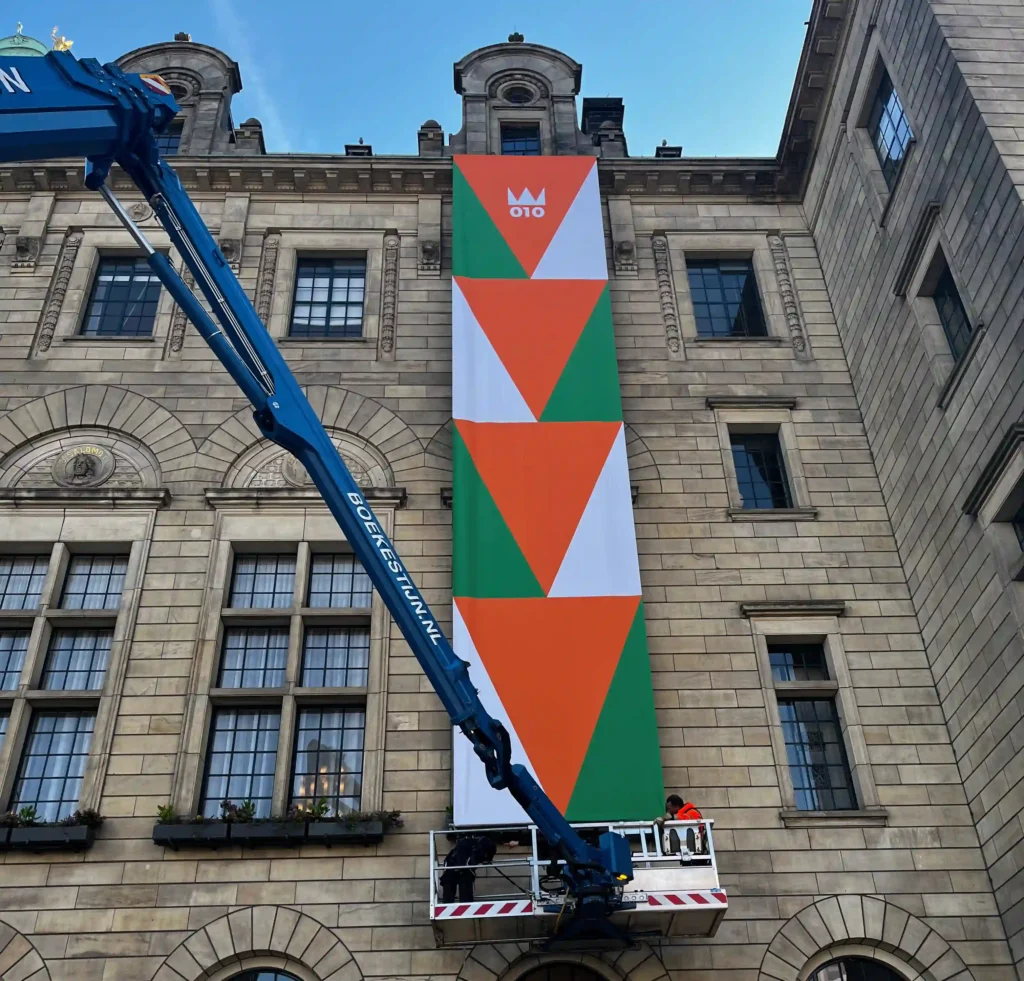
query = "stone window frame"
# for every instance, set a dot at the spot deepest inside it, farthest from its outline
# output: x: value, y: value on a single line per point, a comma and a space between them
x: 824, y: 630
x: 62, y: 535
x: 97, y: 244
x: 764, y: 420
x: 752, y: 246
x: 947, y: 370
x: 327, y: 244
x: 876, y: 60
x: 994, y: 513
x: 301, y: 529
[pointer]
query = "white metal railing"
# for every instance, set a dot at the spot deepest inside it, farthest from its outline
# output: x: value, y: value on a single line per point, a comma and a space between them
x: 662, y: 860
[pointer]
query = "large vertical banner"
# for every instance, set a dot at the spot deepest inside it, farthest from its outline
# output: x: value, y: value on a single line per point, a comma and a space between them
x: 546, y: 580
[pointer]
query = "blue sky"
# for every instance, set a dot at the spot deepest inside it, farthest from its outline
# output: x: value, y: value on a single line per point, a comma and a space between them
x: 712, y: 75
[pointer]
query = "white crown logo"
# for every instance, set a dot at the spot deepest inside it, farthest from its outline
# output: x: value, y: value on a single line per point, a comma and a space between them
x: 526, y: 205
x: 526, y: 198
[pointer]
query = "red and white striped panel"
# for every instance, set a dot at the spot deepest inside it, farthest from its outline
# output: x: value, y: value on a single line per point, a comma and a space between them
x: 474, y: 911
x: 673, y: 900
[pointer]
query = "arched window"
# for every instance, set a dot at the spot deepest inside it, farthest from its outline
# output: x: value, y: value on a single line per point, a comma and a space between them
x: 561, y: 972
x: 855, y: 969
x: 265, y: 974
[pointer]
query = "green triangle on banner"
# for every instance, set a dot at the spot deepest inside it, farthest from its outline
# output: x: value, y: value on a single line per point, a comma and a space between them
x: 588, y: 388
x: 478, y: 249
x: 487, y: 562
x: 621, y: 777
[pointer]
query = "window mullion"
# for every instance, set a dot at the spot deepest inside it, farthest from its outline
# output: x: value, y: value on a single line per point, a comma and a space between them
x: 285, y: 756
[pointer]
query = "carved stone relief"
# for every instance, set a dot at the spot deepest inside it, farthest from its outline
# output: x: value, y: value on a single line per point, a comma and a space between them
x: 26, y: 251
x: 791, y: 308
x: 83, y: 466
x: 231, y: 249
x: 179, y: 322
x: 430, y: 256
x: 389, y: 296
x: 59, y: 288
x: 667, y: 295
x: 267, y: 274
x: 140, y: 211
x: 625, y: 258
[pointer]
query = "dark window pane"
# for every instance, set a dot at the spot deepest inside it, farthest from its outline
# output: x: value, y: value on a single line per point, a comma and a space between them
x: 797, y: 662
x: 264, y: 974
x: 53, y: 764
x: 336, y: 657
x: 889, y: 130
x: 241, y: 759
x: 263, y: 582
x: 169, y: 140
x: 338, y: 581
x: 329, y: 297
x: 4, y: 716
x: 855, y: 969
x: 13, y: 645
x: 254, y: 657
x: 1018, y: 525
x: 725, y: 299
x: 952, y: 314
x: 124, y: 299
x: 520, y: 140
x: 77, y: 660
x: 21, y: 581
x: 760, y: 470
x: 816, y: 754
x: 329, y: 758
x: 94, y: 582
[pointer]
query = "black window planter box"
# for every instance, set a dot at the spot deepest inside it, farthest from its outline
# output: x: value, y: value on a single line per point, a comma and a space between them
x: 176, y: 836
x: 51, y: 838
x: 280, y: 833
x: 339, y: 833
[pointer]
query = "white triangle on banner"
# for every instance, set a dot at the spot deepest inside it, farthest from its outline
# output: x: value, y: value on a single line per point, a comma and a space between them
x: 577, y: 249
x: 482, y: 389
x: 602, y: 558
x: 474, y: 800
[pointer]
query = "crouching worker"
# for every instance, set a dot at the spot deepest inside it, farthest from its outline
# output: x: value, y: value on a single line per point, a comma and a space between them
x: 676, y: 809
x: 456, y: 880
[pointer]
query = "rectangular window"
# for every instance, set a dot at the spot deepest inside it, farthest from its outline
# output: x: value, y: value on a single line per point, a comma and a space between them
x: 760, y: 470
x: 94, y: 582
x: 797, y: 662
x: 816, y: 754
x: 339, y: 582
x: 13, y: 647
x: 169, y: 140
x: 254, y: 657
x: 950, y: 307
x: 125, y: 294
x: 21, y: 581
x: 53, y: 764
x: 4, y: 716
x: 336, y: 657
x: 520, y: 139
x: 241, y: 760
x: 725, y: 298
x: 889, y: 130
x: 329, y: 758
x: 329, y: 298
x: 77, y: 660
x: 263, y: 582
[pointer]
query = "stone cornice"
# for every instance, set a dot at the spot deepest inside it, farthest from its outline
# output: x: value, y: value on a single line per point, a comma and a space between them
x: 248, y: 498
x: 76, y: 498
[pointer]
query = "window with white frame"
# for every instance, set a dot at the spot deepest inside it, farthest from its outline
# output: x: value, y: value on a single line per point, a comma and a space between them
x: 52, y: 679
x: 289, y: 699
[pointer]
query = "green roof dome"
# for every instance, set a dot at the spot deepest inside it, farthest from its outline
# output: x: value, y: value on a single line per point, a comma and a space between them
x: 19, y: 45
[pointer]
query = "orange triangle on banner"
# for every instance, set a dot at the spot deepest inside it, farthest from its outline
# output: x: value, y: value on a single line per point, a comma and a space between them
x: 510, y: 190
x: 541, y: 476
x: 533, y: 325
x: 551, y: 662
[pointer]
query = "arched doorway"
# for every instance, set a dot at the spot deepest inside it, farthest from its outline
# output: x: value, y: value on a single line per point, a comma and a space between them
x: 855, y: 969
x: 561, y: 972
x: 264, y: 974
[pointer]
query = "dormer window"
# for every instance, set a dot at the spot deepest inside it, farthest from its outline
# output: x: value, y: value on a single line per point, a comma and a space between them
x: 520, y: 139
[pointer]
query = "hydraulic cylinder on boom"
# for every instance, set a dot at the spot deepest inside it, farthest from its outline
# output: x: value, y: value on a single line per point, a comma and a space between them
x: 58, y: 106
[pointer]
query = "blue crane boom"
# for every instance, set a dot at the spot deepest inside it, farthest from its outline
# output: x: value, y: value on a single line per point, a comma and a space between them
x: 58, y: 106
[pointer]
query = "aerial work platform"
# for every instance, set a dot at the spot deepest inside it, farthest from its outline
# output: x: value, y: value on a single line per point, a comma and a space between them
x: 675, y: 892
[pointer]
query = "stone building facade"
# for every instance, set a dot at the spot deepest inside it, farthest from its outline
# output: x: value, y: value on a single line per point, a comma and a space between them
x: 134, y: 487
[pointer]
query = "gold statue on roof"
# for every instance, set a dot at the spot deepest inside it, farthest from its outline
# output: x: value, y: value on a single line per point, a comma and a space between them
x: 60, y: 43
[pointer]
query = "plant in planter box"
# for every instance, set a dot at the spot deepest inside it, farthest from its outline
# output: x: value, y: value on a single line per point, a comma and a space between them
x: 195, y: 832
x: 247, y: 829
x: 74, y: 832
x: 355, y: 827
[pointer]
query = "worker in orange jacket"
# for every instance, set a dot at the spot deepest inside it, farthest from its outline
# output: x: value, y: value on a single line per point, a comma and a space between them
x: 676, y: 809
